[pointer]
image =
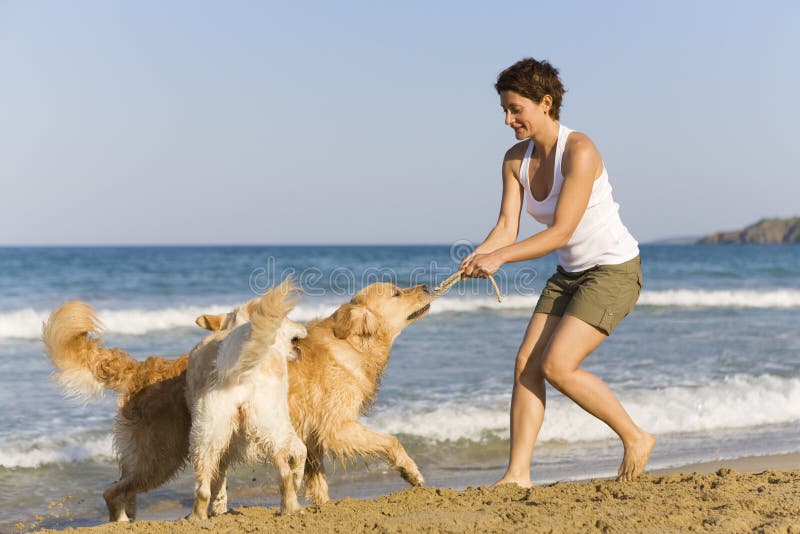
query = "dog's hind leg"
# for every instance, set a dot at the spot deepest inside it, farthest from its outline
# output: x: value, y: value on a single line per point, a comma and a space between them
x: 117, y: 497
x: 355, y: 438
x: 210, y: 439
x: 297, y: 460
x: 202, y: 486
x: 130, y: 506
x: 316, y: 486
x: 289, y: 503
x: 219, y: 490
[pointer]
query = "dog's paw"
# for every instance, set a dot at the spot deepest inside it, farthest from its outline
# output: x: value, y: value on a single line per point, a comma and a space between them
x: 317, y: 499
x: 218, y: 510
x: 195, y: 518
x: 291, y: 507
x: 412, y: 476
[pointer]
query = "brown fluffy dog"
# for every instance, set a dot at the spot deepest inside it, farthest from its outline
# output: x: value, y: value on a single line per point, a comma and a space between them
x: 151, y: 429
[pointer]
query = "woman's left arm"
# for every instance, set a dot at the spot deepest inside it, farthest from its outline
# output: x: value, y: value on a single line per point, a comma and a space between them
x: 580, y: 166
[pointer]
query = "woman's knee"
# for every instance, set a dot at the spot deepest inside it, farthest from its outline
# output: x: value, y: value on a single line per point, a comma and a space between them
x: 555, y: 373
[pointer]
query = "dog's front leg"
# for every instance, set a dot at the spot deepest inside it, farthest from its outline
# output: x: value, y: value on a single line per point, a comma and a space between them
x: 316, y: 486
x: 353, y: 437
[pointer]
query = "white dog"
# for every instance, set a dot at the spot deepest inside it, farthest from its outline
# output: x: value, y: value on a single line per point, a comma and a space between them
x: 237, y: 396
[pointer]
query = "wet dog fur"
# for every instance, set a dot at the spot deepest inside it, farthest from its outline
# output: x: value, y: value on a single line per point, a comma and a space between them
x: 352, y: 345
x: 152, y: 426
x: 237, y: 395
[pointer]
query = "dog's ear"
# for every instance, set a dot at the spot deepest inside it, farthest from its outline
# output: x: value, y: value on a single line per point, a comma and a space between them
x: 354, y: 320
x: 210, y: 322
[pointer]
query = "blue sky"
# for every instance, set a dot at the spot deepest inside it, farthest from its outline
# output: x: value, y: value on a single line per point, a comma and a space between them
x: 377, y: 122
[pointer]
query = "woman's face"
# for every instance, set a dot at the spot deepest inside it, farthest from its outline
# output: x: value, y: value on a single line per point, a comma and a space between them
x: 524, y: 115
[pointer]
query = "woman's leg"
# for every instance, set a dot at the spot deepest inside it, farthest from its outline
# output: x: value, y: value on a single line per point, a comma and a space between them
x: 528, y: 399
x: 571, y: 342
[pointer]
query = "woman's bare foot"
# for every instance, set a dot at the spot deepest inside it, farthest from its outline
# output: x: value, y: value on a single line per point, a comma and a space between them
x: 520, y: 481
x: 636, y: 455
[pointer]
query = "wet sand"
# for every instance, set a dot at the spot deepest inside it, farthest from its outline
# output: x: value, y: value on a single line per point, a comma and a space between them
x: 759, y: 494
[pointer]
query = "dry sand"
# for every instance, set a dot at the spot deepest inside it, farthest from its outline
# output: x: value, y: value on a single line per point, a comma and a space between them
x: 713, y: 498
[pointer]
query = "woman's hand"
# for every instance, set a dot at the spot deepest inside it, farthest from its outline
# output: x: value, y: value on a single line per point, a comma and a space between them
x: 481, y: 265
x: 467, y: 259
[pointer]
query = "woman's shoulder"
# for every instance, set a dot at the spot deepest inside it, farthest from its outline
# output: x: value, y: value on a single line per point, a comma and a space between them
x: 517, y: 151
x: 580, y: 150
x: 579, y: 142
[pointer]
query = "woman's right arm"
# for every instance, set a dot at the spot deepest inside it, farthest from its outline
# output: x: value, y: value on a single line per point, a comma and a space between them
x: 506, y: 230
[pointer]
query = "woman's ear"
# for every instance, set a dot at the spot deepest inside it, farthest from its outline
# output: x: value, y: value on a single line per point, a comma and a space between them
x: 546, y: 103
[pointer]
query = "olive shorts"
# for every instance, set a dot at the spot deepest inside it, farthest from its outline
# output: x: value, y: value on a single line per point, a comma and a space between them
x: 601, y: 296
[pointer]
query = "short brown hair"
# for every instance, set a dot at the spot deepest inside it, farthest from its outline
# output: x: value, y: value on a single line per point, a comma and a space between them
x: 533, y: 79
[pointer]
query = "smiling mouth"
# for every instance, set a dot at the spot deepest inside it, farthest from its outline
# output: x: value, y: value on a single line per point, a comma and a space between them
x: 418, y: 313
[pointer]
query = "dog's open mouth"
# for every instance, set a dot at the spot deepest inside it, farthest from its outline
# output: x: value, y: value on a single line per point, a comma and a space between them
x: 418, y: 313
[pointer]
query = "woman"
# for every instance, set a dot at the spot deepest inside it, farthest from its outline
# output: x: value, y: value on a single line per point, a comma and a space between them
x: 564, y: 181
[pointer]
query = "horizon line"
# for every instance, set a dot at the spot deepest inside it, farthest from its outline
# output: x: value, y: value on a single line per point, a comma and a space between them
x: 660, y: 241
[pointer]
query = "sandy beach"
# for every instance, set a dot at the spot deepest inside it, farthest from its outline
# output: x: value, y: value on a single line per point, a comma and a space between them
x: 759, y: 494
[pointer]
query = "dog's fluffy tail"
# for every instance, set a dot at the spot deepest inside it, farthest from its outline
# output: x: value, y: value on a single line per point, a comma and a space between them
x: 85, y: 368
x: 265, y: 322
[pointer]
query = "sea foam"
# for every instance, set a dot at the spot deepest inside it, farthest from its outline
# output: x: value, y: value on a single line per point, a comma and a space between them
x: 736, y: 402
x: 56, y: 450
x: 721, y: 298
x: 27, y: 323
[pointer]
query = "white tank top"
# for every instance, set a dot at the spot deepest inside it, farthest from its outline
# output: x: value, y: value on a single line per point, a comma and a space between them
x: 600, y: 237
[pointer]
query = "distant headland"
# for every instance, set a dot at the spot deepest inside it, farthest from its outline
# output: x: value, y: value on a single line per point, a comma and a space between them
x: 765, y: 231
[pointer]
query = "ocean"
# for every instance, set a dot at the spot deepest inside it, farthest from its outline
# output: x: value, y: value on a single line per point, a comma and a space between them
x: 709, y: 362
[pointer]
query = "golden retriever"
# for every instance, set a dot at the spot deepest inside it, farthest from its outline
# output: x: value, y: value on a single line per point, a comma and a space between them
x: 337, y: 375
x: 237, y: 395
x: 152, y: 425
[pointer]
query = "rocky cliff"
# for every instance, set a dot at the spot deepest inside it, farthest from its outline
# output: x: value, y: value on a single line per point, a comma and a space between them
x: 765, y: 231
